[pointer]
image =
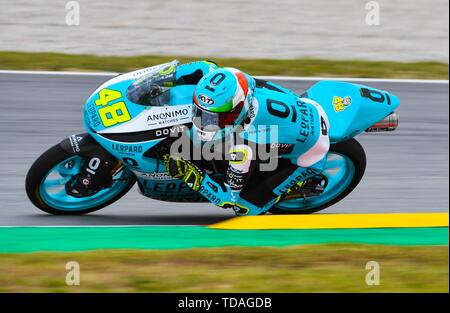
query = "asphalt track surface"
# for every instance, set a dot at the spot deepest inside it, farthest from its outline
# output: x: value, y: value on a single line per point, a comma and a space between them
x: 407, y: 170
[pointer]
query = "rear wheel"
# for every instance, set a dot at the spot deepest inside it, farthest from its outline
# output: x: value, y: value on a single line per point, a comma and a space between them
x: 47, y: 178
x: 345, y: 167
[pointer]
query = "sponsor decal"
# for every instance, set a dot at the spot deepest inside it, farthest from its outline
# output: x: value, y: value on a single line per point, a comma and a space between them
x: 340, y: 104
x: 170, y: 189
x: 163, y: 69
x: 155, y: 118
x: 176, y: 191
x: 74, y: 142
x: 156, y: 176
x: 145, y: 71
x: 126, y: 149
x: 208, y: 195
x: 172, y: 131
x: 282, y: 148
x: 308, y: 172
x: 92, y: 115
x: 280, y: 145
x: 306, y: 121
x: 213, y: 187
x: 205, y: 99
x: 172, y: 115
x: 235, y: 179
x: 251, y: 115
x: 167, y: 70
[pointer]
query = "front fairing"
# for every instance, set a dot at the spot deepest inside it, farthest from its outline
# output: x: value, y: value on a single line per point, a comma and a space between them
x: 127, y: 129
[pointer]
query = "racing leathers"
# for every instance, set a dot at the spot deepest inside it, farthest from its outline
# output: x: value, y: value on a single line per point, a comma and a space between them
x: 282, y: 143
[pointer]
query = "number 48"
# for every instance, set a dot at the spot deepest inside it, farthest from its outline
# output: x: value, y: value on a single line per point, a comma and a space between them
x: 112, y: 114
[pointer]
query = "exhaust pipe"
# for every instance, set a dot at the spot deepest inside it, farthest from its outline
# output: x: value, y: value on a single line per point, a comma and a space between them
x: 387, y: 124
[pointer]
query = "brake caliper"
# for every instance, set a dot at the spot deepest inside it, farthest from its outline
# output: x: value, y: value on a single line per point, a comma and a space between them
x: 95, y: 175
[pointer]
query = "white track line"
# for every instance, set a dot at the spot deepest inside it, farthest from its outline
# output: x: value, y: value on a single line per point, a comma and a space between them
x: 285, y: 78
x: 59, y: 73
x: 92, y: 226
x: 354, y: 79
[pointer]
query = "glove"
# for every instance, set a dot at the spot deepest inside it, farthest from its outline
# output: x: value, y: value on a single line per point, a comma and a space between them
x: 187, y: 171
x: 175, y: 166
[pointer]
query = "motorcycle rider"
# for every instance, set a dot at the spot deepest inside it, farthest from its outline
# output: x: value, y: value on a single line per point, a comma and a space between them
x: 249, y: 113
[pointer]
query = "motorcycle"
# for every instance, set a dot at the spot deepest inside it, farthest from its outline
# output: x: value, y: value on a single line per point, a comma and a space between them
x: 127, y: 133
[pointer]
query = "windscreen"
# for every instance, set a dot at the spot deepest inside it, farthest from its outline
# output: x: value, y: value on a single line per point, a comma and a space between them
x: 154, y: 88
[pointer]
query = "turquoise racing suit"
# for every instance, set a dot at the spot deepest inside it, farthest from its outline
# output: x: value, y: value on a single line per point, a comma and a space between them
x: 291, y: 131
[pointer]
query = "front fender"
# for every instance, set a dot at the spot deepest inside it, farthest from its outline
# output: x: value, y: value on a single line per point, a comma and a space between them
x: 84, y: 144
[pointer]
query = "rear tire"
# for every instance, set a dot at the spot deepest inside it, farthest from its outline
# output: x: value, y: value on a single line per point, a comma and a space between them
x: 355, y: 152
x: 39, y: 171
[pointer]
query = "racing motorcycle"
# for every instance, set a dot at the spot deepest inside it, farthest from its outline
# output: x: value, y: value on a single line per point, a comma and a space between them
x: 127, y: 135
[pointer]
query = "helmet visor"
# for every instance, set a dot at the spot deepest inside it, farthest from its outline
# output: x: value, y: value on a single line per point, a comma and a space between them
x: 207, y: 120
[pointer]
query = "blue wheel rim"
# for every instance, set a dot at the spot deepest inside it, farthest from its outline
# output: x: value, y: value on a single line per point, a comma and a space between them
x: 53, y: 193
x: 339, y: 170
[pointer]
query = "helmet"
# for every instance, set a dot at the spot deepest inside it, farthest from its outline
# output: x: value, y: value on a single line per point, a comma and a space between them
x: 221, y: 101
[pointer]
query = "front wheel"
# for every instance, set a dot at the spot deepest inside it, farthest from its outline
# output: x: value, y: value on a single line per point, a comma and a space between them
x: 48, y: 176
x: 344, y: 169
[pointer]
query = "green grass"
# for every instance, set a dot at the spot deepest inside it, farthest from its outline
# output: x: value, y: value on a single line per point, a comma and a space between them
x: 296, y: 67
x: 311, y: 268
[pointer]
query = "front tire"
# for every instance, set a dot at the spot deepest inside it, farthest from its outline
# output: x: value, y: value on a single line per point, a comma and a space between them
x: 354, y: 153
x: 38, y: 175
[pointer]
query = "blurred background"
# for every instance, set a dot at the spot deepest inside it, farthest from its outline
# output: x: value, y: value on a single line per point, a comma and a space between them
x: 408, y: 29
